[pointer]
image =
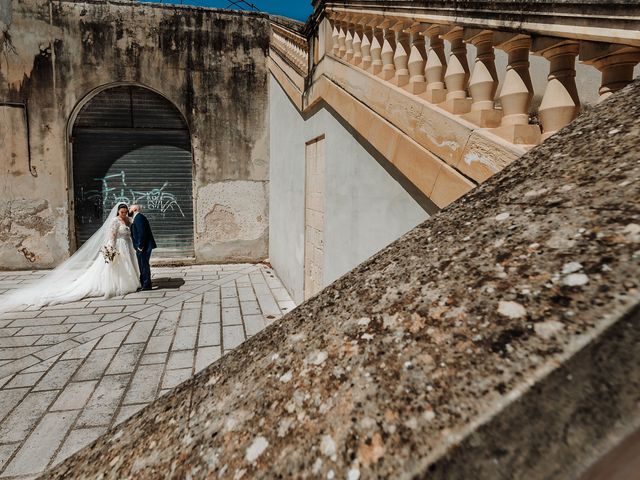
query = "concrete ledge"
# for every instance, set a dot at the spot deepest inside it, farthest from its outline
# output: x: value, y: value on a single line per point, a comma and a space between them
x: 497, y: 340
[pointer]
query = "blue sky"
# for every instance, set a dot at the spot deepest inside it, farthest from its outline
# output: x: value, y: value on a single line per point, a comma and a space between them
x: 298, y: 9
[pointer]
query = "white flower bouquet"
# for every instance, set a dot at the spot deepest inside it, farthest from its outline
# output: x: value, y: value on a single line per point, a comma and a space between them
x: 108, y: 253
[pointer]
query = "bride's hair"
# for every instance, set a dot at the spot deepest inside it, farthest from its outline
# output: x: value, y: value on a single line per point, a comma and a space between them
x: 122, y: 205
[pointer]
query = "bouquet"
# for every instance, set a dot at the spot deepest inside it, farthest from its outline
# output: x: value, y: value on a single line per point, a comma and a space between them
x: 108, y: 253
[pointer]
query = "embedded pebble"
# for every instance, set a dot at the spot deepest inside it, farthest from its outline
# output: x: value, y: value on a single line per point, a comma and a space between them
x: 317, y: 358
x: 511, y: 309
x: 633, y: 232
x: 571, y: 267
x: 614, y: 131
x: 502, y: 216
x: 548, y: 329
x: 258, y: 446
x: 353, y: 474
x: 286, y: 377
x: 328, y: 446
x: 575, y: 280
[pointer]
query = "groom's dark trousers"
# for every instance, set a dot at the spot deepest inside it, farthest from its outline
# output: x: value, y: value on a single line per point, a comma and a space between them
x: 144, y: 243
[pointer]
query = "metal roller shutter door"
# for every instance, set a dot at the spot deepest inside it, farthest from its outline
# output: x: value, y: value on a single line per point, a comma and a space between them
x: 131, y: 145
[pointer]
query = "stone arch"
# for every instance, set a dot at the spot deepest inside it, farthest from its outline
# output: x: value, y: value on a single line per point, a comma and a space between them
x: 128, y: 143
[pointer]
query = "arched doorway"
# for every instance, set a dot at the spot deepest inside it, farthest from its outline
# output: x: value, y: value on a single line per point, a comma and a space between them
x: 132, y: 145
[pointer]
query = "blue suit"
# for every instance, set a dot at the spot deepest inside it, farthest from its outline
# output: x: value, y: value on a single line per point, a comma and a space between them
x: 144, y: 243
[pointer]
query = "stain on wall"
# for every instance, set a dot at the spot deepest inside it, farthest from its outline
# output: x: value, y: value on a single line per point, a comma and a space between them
x: 210, y: 64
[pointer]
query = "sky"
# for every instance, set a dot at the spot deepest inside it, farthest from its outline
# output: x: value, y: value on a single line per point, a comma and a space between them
x: 297, y: 9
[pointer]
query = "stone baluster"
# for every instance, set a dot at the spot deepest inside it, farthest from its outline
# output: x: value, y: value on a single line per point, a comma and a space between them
x: 401, y: 53
x: 517, y: 91
x: 334, y: 37
x: 560, y: 102
x: 342, y: 47
x: 436, y: 65
x: 388, y: 50
x: 457, y: 75
x: 348, y: 40
x: 357, y: 44
x: 367, y: 36
x: 483, y: 82
x: 615, y: 62
x: 377, y: 39
x: 417, y: 59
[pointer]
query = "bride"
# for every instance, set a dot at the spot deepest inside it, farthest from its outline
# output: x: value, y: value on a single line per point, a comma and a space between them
x: 105, y: 266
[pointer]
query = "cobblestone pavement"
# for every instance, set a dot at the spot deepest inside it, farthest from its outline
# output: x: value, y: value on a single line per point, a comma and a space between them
x: 69, y: 372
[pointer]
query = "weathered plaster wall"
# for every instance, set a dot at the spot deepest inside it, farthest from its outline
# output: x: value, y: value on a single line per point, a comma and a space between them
x: 366, y: 208
x: 210, y: 64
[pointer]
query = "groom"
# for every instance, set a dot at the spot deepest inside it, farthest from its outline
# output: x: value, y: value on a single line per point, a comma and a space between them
x: 143, y: 242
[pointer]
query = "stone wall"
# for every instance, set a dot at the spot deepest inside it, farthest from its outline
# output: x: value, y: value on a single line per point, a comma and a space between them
x: 365, y: 204
x: 210, y: 64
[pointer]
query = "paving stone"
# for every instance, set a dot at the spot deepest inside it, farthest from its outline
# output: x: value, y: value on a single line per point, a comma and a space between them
x: 15, y: 315
x: 210, y: 313
x: 140, y: 332
x: 15, y: 353
x: 8, y: 332
x: 144, y: 384
x: 118, y: 302
x: 228, y: 292
x: 268, y: 305
x: 41, y: 445
x: 209, y: 334
x: 189, y: 318
x: 95, y: 364
x: 83, y: 318
x: 85, y: 327
x: 146, y: 313
x: 8, y: 400
x: 58, y: 375
x: 231, y: 316
x: 76, y: 440
x: 80, y: 352
x: 18, y: 365
x: 286, y: 306
x: 185, y: 338
x: 56, y: 338
x: 205, y: 356
x: 230, y: 302
x: 111, y: 340
x: 253, y: 324
x: 56, y: 349
x: 104, y: 401
x: 74, y: 396
x: 159, y: 344
x: 126, y: 359
x: 66, y: 306
x: 112, y: 309
x: 173, y: 378
x: 181, y: 359
x: 127, y: 411
x: 22, y: 419
x: 24, y: 380
x: 152, y: 358
x: 246, y: 294
x: 30, y: 322
x: 250, y: 308
x: 5, y: 453
x: 107, y: 328
x: 232, y: 336
x: 43, y: 366
x: 165, y: 326
x: 11, y: 342
x: 65, y: 312
x: 44, y: 329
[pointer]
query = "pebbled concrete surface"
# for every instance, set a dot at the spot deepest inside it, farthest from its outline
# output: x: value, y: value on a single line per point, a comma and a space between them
x: 496, y: 340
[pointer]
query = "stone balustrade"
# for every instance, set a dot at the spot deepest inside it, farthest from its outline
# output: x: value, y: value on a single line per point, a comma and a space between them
x: 292, y: 47
x: 408, y: 50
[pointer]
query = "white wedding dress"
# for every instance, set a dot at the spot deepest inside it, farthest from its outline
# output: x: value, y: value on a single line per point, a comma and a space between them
x: 84, y: 274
